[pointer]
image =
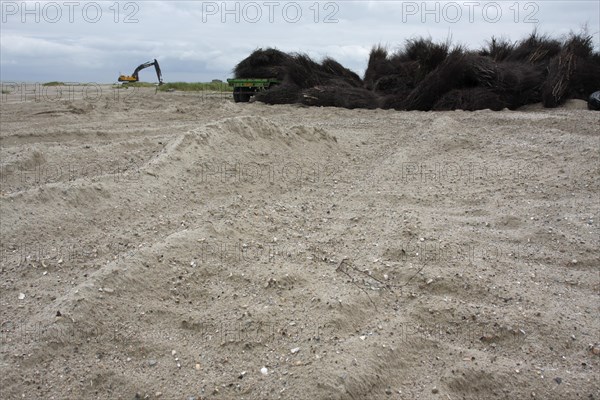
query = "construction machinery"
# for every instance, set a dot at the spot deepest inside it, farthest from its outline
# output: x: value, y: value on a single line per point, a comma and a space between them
x: 243, y: 89
x: 135, y: 78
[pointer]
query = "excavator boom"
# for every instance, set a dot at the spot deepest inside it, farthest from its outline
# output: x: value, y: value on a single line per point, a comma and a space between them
x: 135, y: 77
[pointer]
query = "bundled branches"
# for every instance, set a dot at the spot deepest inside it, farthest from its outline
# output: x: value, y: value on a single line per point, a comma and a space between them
x: 571, y: 72
x: 424, y: 75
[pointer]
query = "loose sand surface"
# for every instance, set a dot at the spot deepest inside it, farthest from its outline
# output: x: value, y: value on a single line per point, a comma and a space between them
x: 177, y: 246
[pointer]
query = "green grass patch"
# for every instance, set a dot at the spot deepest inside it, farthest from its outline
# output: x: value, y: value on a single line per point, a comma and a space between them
x: 54, y: 83
x: 139, y: 84
x: 196, y: 86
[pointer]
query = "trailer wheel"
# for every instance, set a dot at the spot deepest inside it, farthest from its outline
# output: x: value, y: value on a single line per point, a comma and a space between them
x: 245, y: 94
x: 236, y: 94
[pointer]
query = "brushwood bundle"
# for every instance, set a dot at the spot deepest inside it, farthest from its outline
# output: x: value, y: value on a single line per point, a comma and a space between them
x: 424, y: 75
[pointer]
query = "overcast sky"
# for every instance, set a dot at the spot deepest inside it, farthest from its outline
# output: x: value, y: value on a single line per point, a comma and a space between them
x: 201, y: 40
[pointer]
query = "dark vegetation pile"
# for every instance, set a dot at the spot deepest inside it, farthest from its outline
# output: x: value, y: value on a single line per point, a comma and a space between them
x: 305, y: 81
x: 573, y: 73
x: 425, y: 75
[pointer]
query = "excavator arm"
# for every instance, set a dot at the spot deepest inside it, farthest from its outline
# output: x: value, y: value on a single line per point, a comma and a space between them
x: 135, y: 77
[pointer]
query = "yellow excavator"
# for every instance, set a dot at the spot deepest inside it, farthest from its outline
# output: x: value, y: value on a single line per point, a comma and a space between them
x: 134, y: 77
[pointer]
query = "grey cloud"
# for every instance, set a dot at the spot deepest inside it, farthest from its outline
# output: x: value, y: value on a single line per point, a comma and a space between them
x: 197, y: 47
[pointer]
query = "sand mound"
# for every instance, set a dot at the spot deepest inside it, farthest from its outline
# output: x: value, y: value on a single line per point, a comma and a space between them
x: 254, y: 137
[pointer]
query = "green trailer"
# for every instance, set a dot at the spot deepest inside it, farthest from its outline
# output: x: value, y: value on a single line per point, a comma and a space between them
x: 243, y: 89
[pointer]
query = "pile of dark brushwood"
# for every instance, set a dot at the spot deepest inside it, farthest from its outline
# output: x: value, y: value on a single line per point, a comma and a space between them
x: 425, y: 76
x: 305, y: 81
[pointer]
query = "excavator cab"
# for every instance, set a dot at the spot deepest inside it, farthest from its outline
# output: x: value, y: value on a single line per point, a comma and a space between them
x: 135, y: 78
